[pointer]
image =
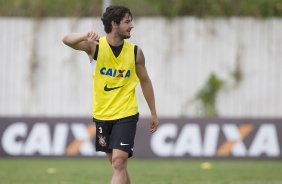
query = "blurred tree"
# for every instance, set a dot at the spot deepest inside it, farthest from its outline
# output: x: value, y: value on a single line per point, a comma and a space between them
x: 168, y: 8
x: 207, y: 96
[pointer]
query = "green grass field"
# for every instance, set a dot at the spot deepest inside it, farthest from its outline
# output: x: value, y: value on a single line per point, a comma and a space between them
x: 98, y: 171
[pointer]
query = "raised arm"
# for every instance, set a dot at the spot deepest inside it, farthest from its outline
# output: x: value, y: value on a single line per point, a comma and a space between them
x: 83, y: 41
x: 147, y: 89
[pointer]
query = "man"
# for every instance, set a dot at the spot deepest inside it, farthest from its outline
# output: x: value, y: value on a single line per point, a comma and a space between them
x: 120, y: 65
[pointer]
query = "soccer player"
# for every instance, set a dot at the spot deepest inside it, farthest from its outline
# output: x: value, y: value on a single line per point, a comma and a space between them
x: 120, y: 65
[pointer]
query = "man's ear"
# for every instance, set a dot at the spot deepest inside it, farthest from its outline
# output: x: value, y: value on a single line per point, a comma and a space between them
x: 114, y: 24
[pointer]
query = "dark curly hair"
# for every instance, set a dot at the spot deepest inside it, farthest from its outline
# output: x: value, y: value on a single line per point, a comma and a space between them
x: 114, y: 13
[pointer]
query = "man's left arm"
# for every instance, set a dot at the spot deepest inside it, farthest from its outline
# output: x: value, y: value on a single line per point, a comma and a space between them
x: 147, y: 89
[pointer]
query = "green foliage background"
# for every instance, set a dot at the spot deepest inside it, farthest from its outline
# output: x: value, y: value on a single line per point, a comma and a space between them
x: 168, y: 8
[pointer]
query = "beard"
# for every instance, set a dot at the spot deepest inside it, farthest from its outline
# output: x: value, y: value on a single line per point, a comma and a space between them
x: 126, y: 36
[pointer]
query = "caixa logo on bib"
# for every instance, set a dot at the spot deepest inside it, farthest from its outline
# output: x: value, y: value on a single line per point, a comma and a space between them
x: 219, y: 140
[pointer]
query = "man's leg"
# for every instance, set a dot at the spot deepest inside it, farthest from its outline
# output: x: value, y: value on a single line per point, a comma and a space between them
x: 119, y: 166
x: 110, y: 155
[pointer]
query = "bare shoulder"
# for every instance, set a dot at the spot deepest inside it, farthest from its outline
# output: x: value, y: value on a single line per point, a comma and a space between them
x: 91, y: 51
x: 140, y: 58
x: 140, y: 66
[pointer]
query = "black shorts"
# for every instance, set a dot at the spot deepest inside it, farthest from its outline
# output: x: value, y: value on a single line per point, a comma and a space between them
x: 116, y: 134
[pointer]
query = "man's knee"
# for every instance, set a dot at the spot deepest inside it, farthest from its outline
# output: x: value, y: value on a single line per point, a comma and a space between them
x: 119, y: 163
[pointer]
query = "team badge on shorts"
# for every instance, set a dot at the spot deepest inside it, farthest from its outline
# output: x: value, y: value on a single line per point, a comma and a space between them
x: 102, y: 141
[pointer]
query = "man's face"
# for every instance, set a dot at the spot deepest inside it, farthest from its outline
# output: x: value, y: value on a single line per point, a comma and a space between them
x: 125, y: 27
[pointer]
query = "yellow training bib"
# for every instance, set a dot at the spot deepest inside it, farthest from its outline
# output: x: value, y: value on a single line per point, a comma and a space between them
x: 114, y: 82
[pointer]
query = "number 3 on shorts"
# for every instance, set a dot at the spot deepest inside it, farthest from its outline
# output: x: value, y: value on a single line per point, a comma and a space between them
x: 100, y: 130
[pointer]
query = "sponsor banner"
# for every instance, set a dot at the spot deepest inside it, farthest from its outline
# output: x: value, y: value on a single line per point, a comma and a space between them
x: 175, y: 138
x: 47, y: 137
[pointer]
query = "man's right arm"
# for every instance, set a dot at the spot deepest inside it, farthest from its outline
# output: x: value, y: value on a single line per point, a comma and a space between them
x: 82, y: 41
